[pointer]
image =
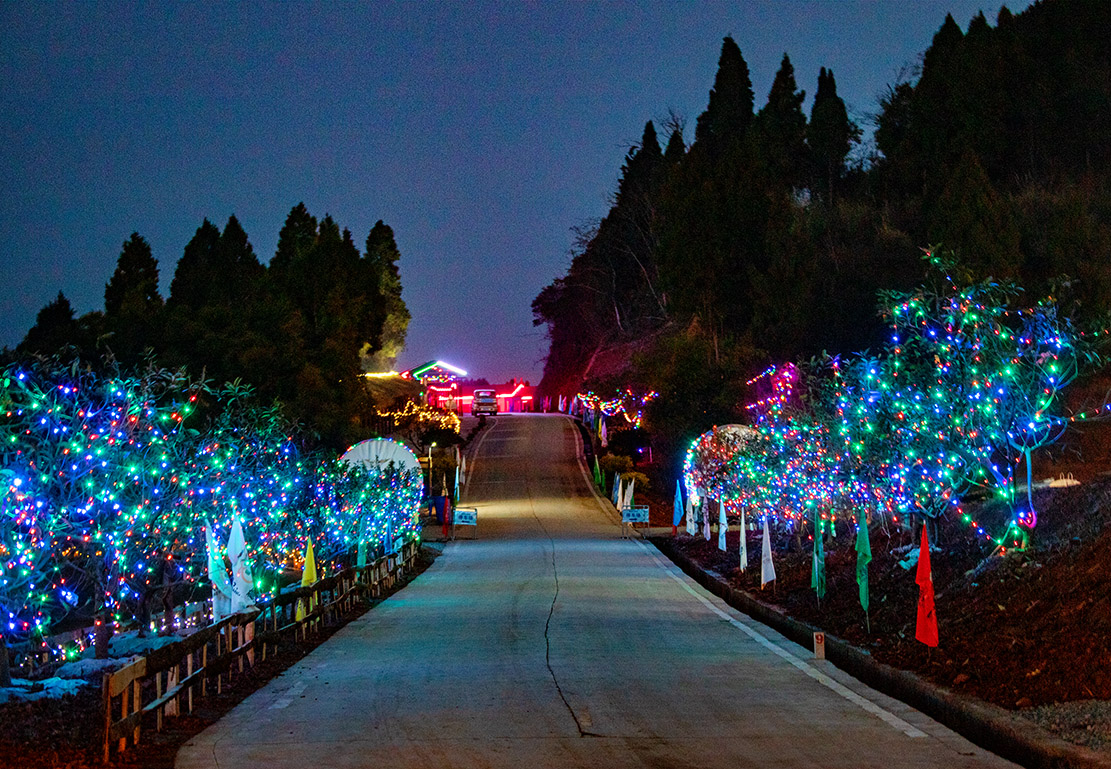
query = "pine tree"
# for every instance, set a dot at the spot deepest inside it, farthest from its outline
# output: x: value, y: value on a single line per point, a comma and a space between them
x: 296, y: 238
x: 133, y: 288
x: 55, y: 327
x: 392, y: 321
x: 782, y: 129
x: 132, y: 304
x: 676, y: 149
x: 193, y: 276
x: 971, y: 219
x: 729, y: 113
x: 830, y: 135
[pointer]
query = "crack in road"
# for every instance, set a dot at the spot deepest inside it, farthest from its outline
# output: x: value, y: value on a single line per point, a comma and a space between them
x: 547, y: 630
x: 548, y: 650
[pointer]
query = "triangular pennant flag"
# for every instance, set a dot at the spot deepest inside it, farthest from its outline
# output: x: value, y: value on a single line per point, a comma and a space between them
x: 926, y: 627
x: 308, y: 577
x: 744, y: 542
x: 818, y: 565
x: 617, y: 490
x: 863, y: 557
x: 598, y: 474
x: 603, y: 434
x: 767, y: 568
x: 629, y: 497
x: 723, y: 525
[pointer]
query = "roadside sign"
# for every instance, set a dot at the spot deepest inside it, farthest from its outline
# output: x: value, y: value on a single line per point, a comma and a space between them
x: 464, y: 516
x: 633, y: 514
x: 819, y: 646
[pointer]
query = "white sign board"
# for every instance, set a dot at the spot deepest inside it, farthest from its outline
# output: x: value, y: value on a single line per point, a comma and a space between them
x: 635, y: 514
x: 464, y: 516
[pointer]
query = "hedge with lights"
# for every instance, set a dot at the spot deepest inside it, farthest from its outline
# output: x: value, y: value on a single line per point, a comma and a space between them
x: 107, y: 485
x: 967, y: 387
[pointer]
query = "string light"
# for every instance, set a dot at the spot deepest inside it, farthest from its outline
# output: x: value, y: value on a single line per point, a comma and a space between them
x: 106, y: 487
x: 962, y: 394
x: 627, y: 403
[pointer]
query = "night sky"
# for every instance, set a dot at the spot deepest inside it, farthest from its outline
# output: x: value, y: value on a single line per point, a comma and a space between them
x: 481, y: 132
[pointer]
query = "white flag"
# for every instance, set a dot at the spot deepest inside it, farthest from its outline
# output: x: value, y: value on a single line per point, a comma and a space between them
x: 744, y: 542
x: 218, y: 576
x: 706, y: 518
x: 692, y: 525
x: 629, y: 497
x: 242, y: 581
x: 723, y: 525
x: 603, y: 434
x: 767, y: 568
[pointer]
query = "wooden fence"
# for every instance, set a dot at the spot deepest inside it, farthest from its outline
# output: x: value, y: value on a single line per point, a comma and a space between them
x: 165, y: 682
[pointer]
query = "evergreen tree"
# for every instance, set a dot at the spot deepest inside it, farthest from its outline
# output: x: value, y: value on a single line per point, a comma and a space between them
x: 238, y: 270
x: 971, y: 219
x: 132, y: 304
x: 676, y: 149
x: 133, y: 288
x: 384, y: 286
x: 193, y: 276
x: 213, y: 313
x: 830, y: 135
x: 782, y: 129
x: 729, y: 113
x: 55, y: 327
x: 296, y: 238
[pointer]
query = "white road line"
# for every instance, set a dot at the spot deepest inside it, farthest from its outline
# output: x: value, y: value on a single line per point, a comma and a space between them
x: 817, y: 675
x: 474, y: 457
x: 863, y: 703
x: 294, y: 691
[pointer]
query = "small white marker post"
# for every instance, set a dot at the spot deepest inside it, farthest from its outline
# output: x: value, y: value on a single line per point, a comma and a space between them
x: 819, y: 646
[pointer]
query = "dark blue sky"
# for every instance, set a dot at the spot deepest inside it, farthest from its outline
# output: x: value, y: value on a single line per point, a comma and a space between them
x: 481, y: 132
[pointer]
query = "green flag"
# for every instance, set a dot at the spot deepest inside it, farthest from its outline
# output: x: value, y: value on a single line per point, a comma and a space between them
x: 863, y: 556
x: 818, y: 569
x: 597, y: 474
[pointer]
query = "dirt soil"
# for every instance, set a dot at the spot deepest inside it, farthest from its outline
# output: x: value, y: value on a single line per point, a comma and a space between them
x: 68, y: 732
x: 1027, y: 630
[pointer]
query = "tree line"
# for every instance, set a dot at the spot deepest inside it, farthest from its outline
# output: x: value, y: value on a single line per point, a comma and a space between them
x: 301, y: 330
x: 769, y: 237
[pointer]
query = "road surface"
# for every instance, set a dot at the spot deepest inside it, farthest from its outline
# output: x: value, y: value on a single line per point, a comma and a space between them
x: 551, y: 642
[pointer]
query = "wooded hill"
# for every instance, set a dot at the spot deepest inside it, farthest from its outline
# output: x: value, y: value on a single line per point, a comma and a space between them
x: 301, y: 330
x: 768, y: 237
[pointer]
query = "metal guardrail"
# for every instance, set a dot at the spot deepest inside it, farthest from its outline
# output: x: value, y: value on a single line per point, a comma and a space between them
x: 168, y: 678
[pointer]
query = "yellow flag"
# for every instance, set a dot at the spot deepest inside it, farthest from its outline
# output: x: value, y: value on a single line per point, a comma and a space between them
x: 308, y: 577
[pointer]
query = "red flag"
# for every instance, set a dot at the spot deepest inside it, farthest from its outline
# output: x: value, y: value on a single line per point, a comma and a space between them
x: 926, y: 631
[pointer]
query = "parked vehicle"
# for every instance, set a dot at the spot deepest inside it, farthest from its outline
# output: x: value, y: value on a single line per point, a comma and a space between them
x: 484, y: 402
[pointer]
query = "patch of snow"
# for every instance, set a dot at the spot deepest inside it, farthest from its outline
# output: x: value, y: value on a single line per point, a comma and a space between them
x: 48, y: 688
x: 87, y: 667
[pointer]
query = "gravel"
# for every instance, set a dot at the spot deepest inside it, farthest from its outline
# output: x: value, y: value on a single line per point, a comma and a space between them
x: 1084, y: 722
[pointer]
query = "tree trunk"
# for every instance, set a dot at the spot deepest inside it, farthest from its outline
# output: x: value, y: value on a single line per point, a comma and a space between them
x: 102, y: 636
x: 5, y: 669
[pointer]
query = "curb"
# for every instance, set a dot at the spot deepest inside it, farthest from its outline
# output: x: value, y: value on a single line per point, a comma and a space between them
x: 987, y: 725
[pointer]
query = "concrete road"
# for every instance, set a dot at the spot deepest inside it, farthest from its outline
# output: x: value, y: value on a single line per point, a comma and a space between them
x: 551, y: 642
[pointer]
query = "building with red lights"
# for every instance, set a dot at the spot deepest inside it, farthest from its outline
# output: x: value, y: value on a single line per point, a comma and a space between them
x: 448, y: 387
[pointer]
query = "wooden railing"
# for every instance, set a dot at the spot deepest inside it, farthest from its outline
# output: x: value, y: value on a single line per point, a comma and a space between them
x: 167, y: 679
